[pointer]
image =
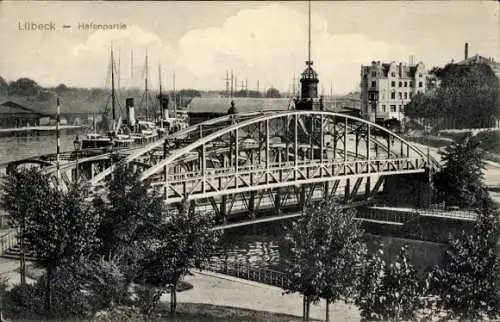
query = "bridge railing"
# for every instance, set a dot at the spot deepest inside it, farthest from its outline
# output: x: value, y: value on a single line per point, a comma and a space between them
x: 211, y: 172
x: 248, y: 272
x: 8, y: 240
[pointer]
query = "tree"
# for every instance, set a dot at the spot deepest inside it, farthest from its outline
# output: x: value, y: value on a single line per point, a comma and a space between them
x: 459, y: 182
x: 326, y: 250
x: 4, y: 86
x: 467, y: 283
x: 24, y: 87
x: 23, y: 190
x: 390, y: 291
x: 467, y: 97
x: 58, y: 226
x: 62, y: 228
x: 273, y: 93
x: 129, y: 215
x: 180, y: 243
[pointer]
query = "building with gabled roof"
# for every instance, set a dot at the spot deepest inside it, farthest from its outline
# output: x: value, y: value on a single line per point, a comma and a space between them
x: 13, y: 115
x: 386, y: 88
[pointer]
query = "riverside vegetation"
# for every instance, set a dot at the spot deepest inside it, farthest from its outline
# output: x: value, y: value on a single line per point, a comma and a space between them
x: 120, y: 252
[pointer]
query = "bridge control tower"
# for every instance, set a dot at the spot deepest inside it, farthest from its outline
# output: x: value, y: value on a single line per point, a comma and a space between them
x: 309, y: 82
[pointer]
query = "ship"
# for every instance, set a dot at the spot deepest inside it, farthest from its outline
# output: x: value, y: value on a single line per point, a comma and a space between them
x: 132, y: 131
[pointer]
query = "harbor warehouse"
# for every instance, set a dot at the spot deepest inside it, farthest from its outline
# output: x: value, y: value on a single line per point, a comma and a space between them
x: 204, y: 108
x: 14, y: 115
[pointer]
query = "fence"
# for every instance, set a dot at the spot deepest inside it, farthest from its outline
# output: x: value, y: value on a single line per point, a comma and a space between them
x: 249, y: 272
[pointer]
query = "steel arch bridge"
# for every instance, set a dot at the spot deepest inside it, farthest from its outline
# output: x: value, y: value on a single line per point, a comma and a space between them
x: 266, y: 161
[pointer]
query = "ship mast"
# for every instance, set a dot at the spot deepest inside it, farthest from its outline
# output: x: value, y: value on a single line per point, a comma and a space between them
x: 161, y: 97
x: 113, y: 95
x: 175, y: 98
x: 146, y: 86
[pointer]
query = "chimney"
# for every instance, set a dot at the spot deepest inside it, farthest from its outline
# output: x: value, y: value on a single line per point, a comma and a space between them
x: 129, y: 104
x: 466, y: 50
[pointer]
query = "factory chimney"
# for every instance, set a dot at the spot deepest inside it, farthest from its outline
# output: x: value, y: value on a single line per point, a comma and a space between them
x: 466, y: 50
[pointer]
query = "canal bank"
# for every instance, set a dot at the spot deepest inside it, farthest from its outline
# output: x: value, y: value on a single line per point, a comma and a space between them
x: 264, y: 246
x: 40, y: 131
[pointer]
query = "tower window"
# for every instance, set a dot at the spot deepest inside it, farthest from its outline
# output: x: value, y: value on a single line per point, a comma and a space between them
x: 393, y: 108
x: 383, y: 108
x: 411, y: 94
x: 406, y: 84
x: 400, y: 84
x: 411, y: 83
x: 393, y: 95
x: 393, y: 74
x: 374, y: 74
x: 393, y: 84
x: 406, y: 95
x: 374, y: 83
x: 419, y: 84
x: 400, y: 95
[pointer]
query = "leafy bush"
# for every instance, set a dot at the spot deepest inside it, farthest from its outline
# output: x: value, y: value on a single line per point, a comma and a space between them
x: 23, y: 301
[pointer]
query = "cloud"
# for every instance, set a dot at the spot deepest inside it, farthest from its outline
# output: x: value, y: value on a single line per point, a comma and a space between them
x: 270, y: 44
x: 97, y: 46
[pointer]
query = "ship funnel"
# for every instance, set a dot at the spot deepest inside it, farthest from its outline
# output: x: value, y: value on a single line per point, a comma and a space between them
x: 164, y: 105
x: 129, y: 104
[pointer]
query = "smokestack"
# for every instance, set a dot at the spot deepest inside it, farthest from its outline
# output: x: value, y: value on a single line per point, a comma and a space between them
x: 164, y: 106
x: 466, y: 50
x: 129, y: 104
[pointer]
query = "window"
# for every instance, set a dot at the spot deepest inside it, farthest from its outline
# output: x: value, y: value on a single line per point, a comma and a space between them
x: 406, y: 84
x: 419, y: 75
x: 374, y: 84
x: 411, y: 94
x: 374, y: 74
x: 393, y: 74
x: 419, y: 84
x: 406, y: 95
x: 393, y: 84
x: 400, y: 109
x: 411, y: 83
x: 393, y: 95
x: 393, y: 108
x: 374, y: 109
x: 383, y: 108
x: 400, y: 84
x: 400, y: 95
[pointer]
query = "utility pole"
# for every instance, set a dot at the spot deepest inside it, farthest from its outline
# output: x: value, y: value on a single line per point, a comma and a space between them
x: 246, y: 87
x: 235, y: 84
x: 227, y: 79
x: 258, y: 90
x: 232, y: 82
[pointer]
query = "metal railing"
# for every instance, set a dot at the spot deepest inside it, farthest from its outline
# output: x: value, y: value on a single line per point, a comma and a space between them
x: 248, y: 272
x: 8, y: 240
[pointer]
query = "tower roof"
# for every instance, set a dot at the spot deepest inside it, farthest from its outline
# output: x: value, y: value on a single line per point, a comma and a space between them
x: 309, y: 73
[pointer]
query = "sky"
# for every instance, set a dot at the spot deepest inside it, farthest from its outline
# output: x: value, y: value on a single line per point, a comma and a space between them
x: 260, y: 41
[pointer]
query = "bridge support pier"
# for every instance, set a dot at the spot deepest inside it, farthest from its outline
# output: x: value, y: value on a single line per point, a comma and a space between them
x: 302, y: 197
x: 411, y: 190
x: 347, y: 190
x: 223, y: 209
x: 368, y: 187
x: 277, y: 201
